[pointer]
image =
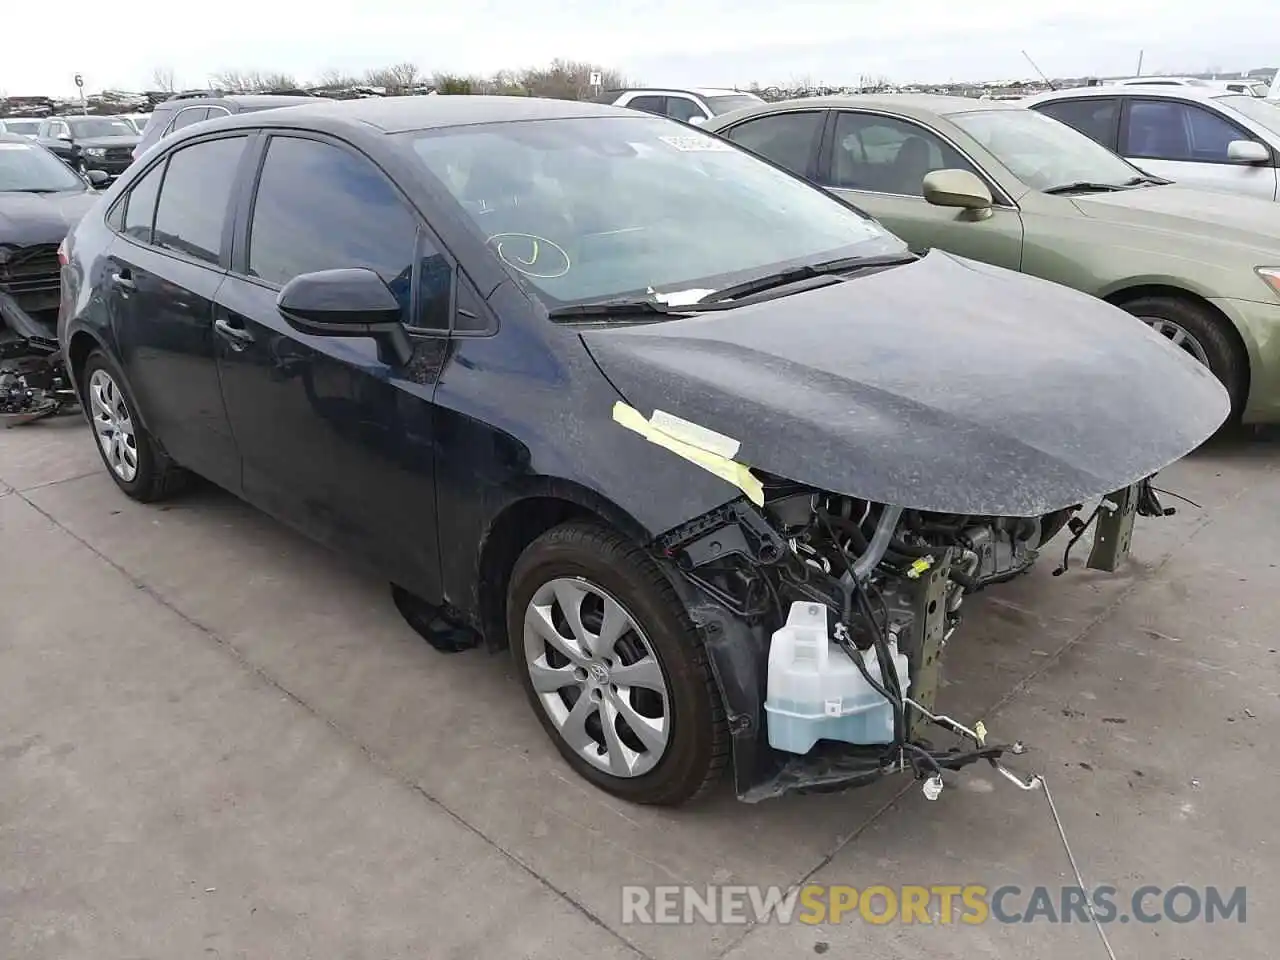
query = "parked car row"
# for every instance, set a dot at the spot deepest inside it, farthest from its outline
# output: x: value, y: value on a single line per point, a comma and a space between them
x: 714, y: 428
x: 611, y: 393
x: 1013, y: 187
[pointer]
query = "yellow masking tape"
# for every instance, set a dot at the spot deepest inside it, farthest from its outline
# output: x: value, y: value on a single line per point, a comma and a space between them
x: 713, y: 462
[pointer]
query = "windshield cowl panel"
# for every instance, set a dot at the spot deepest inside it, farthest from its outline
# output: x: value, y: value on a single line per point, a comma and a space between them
x: 591, y: 209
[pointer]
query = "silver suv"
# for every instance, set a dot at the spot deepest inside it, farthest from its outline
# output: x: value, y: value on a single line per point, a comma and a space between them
x: 185, y: 109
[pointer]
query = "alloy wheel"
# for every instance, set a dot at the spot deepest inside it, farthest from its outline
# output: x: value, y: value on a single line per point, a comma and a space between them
x: 1179, y: 336
x: 113, y: 426
x: 597, y: 677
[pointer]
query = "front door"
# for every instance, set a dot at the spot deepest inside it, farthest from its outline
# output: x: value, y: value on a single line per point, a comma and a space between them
x: 878, y: 163
x: 334, y: 441
x: 1187, y: 143
x: 166, y: 269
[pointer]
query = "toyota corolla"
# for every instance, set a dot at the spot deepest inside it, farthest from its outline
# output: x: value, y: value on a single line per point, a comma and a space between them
x: 708, y: 450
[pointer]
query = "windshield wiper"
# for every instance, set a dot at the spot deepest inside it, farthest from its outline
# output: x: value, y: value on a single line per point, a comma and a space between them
x: 1088, y: 186
x: 805, y: 271
x: 1147, y: 179
x: 622, y: 307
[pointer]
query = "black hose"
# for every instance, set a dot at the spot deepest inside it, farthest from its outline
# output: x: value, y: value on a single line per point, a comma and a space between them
x: 888, y: 669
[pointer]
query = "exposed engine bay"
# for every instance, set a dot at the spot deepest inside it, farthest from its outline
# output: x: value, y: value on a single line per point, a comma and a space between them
x: 885, y: 586
x: 33, y: 379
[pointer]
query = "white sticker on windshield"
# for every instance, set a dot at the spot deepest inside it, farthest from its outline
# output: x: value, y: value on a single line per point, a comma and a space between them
x: 697, y: 144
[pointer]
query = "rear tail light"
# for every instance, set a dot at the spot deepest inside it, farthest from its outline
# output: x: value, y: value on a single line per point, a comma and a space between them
x: 62, y: 252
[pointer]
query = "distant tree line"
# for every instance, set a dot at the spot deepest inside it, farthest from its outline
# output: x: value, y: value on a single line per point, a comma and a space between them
x: 562, y: 80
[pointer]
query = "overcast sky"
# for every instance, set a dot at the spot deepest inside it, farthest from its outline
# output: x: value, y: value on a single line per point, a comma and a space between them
x: 119, y: 43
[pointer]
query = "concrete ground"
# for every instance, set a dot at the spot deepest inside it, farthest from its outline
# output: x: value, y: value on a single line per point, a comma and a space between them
x: 217, y: 741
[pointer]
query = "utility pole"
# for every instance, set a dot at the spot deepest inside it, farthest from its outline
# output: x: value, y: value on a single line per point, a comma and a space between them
x: 1140, y: 53
x: 1039, y: 71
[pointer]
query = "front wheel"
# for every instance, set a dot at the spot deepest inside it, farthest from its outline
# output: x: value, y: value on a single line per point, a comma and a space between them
x: 1202, y: 334
x: 613, y: 667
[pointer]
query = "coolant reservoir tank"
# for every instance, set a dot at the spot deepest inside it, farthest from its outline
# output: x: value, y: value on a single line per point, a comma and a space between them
x: 816, y: 692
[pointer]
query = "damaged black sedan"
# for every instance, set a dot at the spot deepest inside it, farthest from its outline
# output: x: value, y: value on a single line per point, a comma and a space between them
x: 710, y: 452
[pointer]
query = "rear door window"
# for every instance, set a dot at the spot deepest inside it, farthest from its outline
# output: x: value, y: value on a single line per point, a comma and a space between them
x: 140, y: 205
x: 189, y: 116
x: 195, y: 199
x: 649, y: 104
x: 788, y: 139
x: 1098, y: 118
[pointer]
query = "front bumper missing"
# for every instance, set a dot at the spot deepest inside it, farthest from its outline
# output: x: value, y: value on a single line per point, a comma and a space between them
x: 738, y: 648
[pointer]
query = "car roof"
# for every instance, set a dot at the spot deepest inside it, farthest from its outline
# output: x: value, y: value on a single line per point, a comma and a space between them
x: 14, y: 137
x: 402, y: 114
x: 1174, y: 91
x: 918, y: 104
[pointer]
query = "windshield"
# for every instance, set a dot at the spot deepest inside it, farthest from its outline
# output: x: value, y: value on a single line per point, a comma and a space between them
x: 589, y: 209
x: 29, y: 168
x: 24, y: 127
x: 1042, y: 152
x: 87, y: 127
x: 1262, y: 112
x: 729, y: 102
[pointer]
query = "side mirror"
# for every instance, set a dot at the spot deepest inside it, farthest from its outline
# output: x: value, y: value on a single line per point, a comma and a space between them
x: 65, y: 137
x: 353, y: 302
x: 98, y: 178
x: 1247, y: 151
x: 958, y: 188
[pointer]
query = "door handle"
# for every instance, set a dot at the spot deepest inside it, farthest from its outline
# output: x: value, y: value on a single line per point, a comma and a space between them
x: 233, y: 333
x: 122, y: 280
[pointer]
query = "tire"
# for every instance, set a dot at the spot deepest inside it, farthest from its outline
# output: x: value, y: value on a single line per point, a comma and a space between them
x: 605, y: 566
x: 1209, y: 339
x: 153, y: 475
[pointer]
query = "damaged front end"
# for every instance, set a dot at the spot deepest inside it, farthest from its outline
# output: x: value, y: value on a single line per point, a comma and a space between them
x: 826, y: 617
x: 33, y: 379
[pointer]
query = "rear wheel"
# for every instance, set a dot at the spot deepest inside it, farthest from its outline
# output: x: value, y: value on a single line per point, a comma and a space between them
x: 614, y: 669
x: 1204, y: 336
x: 134, y: 461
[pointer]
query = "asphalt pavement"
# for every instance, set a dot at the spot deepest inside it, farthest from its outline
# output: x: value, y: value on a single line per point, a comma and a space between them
x: 218, y: 740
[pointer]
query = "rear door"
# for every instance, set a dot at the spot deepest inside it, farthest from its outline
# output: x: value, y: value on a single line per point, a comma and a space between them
x: 334, y: 441
x: 1187, y: 143
x: 166, y: 266
x: 878, y: 163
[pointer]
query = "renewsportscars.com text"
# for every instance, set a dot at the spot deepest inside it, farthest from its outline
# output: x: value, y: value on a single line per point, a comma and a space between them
x: 942, y: 904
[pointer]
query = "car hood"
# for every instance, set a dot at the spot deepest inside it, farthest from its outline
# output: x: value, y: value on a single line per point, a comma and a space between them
x: 107, y: 141
x: 30, y: 218
x: 943, y: 385
x: 1231, y: 217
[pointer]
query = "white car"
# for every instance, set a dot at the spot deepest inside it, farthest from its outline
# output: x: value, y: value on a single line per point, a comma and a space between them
x: 694, y: 105
x: 1248, y: 87
x: 22, y: 126
x: 1199, y: 136
x: 136, y: 120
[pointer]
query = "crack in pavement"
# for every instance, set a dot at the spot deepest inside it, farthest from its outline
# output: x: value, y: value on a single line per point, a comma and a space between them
x: 374, y: 758
x: 53, y: 483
